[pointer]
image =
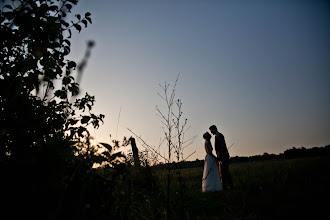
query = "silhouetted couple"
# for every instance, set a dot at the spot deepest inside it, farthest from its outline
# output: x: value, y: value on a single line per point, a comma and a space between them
x: 212, y: 180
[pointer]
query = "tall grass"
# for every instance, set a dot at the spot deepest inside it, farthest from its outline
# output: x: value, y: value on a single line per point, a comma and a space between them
x: 274, y: 189
x: 270, y: 189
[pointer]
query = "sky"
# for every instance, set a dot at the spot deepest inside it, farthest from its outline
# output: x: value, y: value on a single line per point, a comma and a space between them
x: 259, y: 70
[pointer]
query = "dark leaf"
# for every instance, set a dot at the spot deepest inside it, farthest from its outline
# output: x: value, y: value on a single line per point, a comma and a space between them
x: 74, y: 89
x: 68, y: 6
x: 81, y: 130
x: 9, y: 7
x: 70, y: 34
x: 118, y: 154
x: 78, y: 27
x: 67, y: 42
x: 66, y: 24
x: 107, y: 146
x: 73, y: 1
x: 66, y: 80
x: 61, y: 94
x: 72, y: 64
x: 66, y: 50
x: 89, y: 19
x: 87, y: 14
x: 85, y: 119
x: 84, y: 22
x: 72, y: 121
x: 89, y: 107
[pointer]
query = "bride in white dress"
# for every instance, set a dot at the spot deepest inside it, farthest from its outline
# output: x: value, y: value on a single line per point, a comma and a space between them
x: 211, y: 178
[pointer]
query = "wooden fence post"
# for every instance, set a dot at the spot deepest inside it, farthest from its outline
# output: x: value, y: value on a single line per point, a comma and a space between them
x: 135, y: 152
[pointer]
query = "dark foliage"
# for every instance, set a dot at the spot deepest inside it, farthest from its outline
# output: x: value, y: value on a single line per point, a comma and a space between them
x: 46, y: 157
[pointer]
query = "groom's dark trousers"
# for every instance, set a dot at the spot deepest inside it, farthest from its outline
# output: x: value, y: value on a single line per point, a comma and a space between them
x: 226, y: 180
x: 223, y: 157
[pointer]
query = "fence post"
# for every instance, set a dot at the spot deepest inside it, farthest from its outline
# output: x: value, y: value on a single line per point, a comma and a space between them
x: 135, y: 152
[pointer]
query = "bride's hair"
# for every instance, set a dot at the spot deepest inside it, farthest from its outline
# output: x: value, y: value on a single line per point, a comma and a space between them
x: 207, y: 136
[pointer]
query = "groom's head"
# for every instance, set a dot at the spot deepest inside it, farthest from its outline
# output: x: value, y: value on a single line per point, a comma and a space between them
x: 213, y: 129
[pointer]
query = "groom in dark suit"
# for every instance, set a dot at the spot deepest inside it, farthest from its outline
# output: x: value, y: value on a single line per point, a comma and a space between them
x: 223, y: 157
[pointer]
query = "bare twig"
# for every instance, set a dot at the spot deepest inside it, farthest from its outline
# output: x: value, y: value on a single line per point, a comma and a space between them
x: 189, y: 155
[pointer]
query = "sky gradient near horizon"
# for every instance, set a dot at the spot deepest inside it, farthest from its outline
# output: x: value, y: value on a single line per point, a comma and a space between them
x: 259, y: 70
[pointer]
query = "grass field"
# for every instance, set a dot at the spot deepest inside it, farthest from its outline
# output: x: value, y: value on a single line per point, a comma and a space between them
x: 274, y: 189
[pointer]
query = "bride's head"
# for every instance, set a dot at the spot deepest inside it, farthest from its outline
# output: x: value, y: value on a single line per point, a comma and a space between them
x: 207, y: 136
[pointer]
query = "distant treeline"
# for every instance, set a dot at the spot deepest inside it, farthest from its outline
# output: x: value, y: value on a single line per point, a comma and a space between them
x: 288, y: 154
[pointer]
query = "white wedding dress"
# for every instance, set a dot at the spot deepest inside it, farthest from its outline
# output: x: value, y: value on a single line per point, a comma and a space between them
x: 211, y: 178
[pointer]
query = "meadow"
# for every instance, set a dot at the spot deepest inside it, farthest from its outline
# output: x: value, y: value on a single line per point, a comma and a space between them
x: 271, y: 189
x: 47, y: 158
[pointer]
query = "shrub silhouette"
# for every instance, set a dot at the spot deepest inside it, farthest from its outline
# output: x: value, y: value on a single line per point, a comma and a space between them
x: 45, y: 151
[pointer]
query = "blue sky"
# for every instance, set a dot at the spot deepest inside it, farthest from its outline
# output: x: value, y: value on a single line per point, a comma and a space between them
x: 259, y: 70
